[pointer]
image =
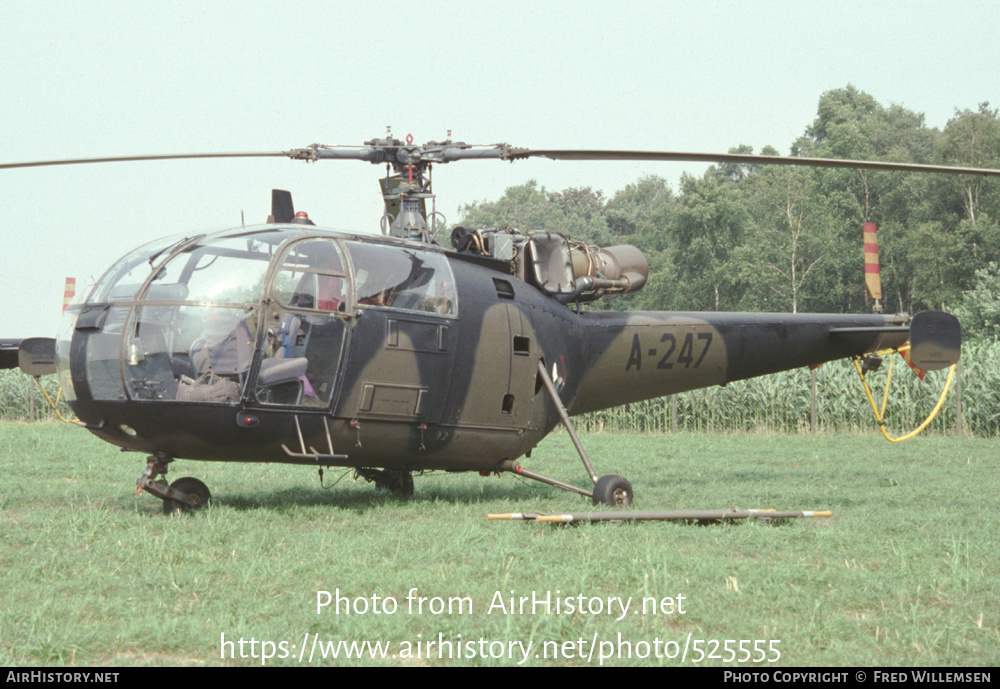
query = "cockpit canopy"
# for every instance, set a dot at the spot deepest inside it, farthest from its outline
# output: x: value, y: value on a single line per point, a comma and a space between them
x: 254, y: 313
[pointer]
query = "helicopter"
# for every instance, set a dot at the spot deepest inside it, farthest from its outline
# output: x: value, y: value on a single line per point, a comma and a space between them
x: 389, y: 355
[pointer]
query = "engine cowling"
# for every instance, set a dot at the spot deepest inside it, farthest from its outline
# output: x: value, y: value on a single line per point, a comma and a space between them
x: 571, y: 270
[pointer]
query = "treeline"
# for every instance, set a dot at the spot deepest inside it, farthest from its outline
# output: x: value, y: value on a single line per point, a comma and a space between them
x: 777, y: 238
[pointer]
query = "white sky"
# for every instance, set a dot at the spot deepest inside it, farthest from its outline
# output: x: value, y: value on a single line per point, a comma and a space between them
x: 121, y: 78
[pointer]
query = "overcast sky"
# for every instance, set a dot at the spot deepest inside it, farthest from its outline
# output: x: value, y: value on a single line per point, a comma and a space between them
x: 121, y: 78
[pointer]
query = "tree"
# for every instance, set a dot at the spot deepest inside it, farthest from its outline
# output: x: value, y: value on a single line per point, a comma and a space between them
x: 525, y: 207
x: 852, y: 124
x: 641, y: 210
x: 972, y: 139
x: 643, y: 214
x: 979, y: 310
x: 710, y: 221
x: 766, y: 237
x: 787, y: 239
x: 582, y: 214
x: 529, y: 207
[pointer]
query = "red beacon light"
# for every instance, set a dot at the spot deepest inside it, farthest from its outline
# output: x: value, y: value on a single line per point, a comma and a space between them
x: 302, y: 218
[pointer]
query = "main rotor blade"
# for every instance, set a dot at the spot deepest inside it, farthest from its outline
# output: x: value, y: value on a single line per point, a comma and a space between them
x: 444, y: 154
x: 121, y: 159
x: 742, y: 159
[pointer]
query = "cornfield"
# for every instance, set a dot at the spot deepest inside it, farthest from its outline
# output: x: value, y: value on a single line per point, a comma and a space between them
x: 779, y: 403
x: 21, y: 400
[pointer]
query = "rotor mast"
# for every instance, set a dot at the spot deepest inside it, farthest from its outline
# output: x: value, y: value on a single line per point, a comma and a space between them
x: 409, y: 195
x: 408, y: 190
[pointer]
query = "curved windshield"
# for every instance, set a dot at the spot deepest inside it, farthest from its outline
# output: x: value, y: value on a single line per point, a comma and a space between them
x: 226, y: 269
x: 179, y: 321
x: 256, y: 315
x: 193, y: 334
x: 125, y: 277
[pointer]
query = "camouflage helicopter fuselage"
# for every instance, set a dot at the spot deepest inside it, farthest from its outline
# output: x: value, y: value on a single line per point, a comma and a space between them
x: 365, y: 352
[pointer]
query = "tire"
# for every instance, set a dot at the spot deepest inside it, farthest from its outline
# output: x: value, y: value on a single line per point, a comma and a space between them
x: 613, y: 490
x: 192, y: 487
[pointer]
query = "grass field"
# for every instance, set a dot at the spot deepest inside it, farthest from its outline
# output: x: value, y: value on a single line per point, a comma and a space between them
x: 906, y: 571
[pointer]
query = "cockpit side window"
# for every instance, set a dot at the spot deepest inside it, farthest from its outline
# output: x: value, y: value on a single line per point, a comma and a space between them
x: 305, y: 328
x: 403, y: 278
x: 312, y: 277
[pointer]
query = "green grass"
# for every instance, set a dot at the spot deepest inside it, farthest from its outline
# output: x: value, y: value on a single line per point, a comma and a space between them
x: 905, y: 573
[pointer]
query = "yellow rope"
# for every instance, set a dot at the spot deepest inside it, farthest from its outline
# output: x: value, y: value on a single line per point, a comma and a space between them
x: 880, y: 415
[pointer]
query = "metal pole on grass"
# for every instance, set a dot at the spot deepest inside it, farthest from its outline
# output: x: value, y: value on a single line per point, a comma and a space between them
x: 812, y: 403
x: 959, y: 426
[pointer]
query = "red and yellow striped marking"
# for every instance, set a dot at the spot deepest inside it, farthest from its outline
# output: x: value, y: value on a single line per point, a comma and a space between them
x: 872, y: 277
x: 69, y: 292
x: 904, y: 352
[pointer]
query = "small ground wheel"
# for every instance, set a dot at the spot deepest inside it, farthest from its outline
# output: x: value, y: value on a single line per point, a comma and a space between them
x: 613, y: 490
x: 193, y: 487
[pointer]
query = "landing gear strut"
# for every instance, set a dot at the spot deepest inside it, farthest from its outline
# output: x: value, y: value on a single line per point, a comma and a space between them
x: 613, y: 489
x: 183, y: 495
x: 397, y: 483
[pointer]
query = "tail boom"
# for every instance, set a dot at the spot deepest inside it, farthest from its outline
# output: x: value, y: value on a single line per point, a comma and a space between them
x: 641, y: 355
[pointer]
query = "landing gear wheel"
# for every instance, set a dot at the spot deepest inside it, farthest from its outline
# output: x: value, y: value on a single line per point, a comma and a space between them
x: 613, y: 490
x: 398, y: 483
x: 191, y: 486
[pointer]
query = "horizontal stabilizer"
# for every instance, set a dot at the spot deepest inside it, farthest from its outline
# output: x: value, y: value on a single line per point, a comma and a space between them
x: 870, y: 338
x: 8, y: 353
x: 37, y: 356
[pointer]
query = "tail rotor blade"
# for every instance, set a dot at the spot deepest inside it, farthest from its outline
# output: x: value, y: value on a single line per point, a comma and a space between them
x: 69, y: 291
x: 873, y: 278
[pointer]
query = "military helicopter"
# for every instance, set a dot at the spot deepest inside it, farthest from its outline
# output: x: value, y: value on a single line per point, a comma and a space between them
x: 288, y: 343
